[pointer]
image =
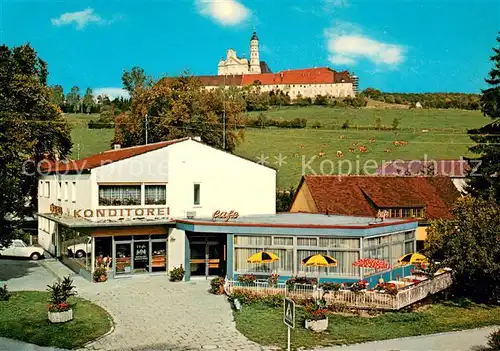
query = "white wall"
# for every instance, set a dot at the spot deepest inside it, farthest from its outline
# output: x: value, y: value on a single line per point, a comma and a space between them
x: 308, y: 90
x: 227, y: 182
x: 176, y: 248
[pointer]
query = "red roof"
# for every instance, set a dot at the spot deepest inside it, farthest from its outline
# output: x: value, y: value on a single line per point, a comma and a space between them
x: 364, y: 195
x: 447, y: 168
x: 105, y: 157
x: 321, y: 75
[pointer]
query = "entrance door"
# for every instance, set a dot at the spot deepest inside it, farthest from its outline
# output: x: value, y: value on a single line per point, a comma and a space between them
x: 207, y: 257
x: 141, y: 257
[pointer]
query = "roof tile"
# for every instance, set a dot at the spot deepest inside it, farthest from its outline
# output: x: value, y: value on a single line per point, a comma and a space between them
x: 362, y: 195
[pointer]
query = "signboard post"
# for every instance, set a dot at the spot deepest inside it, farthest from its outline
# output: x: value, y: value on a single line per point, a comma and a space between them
x: 289, y: 318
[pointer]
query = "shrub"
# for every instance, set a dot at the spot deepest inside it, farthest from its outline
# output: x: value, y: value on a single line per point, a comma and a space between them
x: 176, y: 274
x: 316, y: 125
x: 249, y: 297
x: 395, y: 123
x: 317, y: 310
x: 247, y: 278
x: 100, y: 272
x: 358, y: 286
x: 217, y: 285
x: 100, y: 125
x: 346, y: 124
x: 494, y: 340
x: 290, y: 283
x: 330, y: 286
x: 60, y: 291
x: 4, y: 293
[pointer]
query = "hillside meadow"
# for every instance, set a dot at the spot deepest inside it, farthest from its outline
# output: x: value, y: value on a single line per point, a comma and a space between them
x: 435, y: 134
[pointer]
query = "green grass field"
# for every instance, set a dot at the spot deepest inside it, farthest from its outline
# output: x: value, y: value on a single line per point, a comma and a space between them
x: 445, y: 138
x: 24, y: 317
x: 264, y: 324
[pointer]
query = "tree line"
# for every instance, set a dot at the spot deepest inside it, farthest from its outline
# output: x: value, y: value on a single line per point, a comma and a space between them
x: 427, y: 100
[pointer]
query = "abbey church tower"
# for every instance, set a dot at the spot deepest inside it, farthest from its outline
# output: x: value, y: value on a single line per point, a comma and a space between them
x: 254, y: 54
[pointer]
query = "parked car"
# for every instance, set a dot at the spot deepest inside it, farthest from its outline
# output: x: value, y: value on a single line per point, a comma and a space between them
x: 80, y: 250
x: 18, y: 248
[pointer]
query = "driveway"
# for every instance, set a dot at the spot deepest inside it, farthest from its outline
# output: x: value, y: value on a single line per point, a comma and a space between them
x: 20, y: 274
x: 150, y: 312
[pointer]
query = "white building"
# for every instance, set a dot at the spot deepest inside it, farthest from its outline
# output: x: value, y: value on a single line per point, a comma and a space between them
x: 234, y: 65
x: 151, y: 208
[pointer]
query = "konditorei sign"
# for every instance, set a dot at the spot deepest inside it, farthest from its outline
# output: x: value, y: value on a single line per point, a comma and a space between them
x: 226, y: 216
x: 114, y: 212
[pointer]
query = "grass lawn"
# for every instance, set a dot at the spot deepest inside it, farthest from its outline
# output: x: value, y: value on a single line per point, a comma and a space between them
x: 24, y: 317
x: 264, y: 325
x: 446, y: 138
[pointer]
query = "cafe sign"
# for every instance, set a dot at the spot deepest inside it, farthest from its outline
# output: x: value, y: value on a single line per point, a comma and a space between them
x: 114, y: 212
x: 226, y: 216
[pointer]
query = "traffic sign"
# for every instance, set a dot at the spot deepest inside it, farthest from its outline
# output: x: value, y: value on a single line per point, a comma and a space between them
x: 289, y: 313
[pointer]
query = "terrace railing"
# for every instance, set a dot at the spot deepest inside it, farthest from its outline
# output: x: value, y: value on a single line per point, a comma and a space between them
x: 350, y: 299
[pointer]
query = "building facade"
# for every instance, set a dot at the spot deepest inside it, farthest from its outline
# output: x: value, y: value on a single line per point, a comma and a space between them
x: 234, y: 65
x: 419, y: 198
x: 151, y: 208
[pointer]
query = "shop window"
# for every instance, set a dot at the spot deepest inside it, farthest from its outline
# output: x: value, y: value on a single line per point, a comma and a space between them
x: 119, y: 195
x: 155, y: 194
x: 103, y: 253
x: 159, y: 236
x: 196, y: 194
x: 158, y: 256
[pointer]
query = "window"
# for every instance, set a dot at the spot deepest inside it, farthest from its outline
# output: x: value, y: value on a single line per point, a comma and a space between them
x: 307, y: 241
x: 409, y: 235
x: 47, y: 189
x: 259, y: 241
x: 155, y: 194
x: 59, y: 191
x: 40, y: 189
x: 73, y: 192
x: 339, y: 242
x: 196, y: 194
x: 406, y: 212
x: 119, y: 195
x: 282, y: 240
x: 66, y: 190
x: 409, y: 248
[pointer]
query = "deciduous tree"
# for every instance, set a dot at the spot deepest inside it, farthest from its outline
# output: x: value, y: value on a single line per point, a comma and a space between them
x: 57, y: 95
x: 31, y: 129
x: 136, y: 79
x: 470, y: 245
x: 88, y: 101
x: 179, y: 107
x: 73, y: 99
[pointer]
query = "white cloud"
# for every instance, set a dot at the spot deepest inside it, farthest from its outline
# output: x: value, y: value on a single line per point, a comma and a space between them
x: 82, y: 18
x: 224, y: 12
x: 347, y: 45
x: 112, y: 93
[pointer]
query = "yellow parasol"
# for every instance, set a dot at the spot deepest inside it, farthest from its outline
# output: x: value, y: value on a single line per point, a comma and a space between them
x: 319, y: 260
x: 263, y: 257
x: 412, y: 258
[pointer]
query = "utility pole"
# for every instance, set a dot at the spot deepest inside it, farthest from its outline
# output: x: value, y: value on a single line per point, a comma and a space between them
x: 224, y: 115
x: 146, y: 129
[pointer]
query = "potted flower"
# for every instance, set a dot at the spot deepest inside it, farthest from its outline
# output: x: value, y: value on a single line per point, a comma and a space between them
x: 217, y: 286
x: 247, y: 278
x: 317, y: 316
x: 58, y: 309
x: 327, y: 287
x: 359, y: 286
x: 100, y: 275
x: 273, y: 279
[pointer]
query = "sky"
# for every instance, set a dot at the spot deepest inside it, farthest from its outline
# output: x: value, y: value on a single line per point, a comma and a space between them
x: 391, y: 45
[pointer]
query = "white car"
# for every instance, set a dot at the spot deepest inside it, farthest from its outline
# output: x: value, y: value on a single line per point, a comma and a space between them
x: 19, y: 249
x: 80, y: 250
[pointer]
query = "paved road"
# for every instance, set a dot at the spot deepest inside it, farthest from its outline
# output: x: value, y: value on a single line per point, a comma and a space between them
x: 150, y: 312
x: 466, y: 340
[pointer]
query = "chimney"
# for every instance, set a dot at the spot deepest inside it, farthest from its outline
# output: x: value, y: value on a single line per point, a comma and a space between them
x: 117, y: 147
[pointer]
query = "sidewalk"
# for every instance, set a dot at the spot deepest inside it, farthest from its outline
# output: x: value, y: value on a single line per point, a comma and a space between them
x: 14, y: 345
x: 466, y: 340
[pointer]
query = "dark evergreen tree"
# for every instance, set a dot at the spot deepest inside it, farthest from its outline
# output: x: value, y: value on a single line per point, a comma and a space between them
x: 485, y: 181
